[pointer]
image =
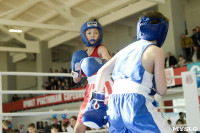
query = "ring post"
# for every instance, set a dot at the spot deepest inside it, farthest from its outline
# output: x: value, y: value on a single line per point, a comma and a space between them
x: 191, y: 99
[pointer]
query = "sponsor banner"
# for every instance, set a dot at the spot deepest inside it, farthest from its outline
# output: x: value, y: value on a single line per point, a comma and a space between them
x: 169, y: 72
x: 42, y: 101
x: 177, y: 72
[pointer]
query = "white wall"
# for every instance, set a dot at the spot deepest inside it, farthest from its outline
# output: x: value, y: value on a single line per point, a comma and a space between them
x: 58, y: 65
x: 192, y: 10
x: 119, y: 38
x: 24, y: 82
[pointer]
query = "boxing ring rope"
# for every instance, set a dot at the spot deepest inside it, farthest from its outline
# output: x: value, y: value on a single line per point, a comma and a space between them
x: 59, y: 92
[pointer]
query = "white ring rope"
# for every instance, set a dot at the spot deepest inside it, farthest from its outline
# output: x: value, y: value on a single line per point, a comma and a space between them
x: 40, y: 113
x: 41, y: 91
x: 67, y: 112
x: 57, y: 74
x: 36, y: 74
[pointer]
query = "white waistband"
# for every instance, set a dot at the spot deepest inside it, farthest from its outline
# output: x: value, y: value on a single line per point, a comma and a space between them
x: 92, y: 79
x: 123, y: 86
x: 127, y: 86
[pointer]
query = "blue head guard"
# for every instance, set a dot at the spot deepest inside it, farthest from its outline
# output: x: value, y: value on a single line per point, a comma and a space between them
x: 89, y: 25
x: 151, y: 32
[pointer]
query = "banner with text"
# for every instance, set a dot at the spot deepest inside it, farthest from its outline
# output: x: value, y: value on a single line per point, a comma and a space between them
x: 45, y: 100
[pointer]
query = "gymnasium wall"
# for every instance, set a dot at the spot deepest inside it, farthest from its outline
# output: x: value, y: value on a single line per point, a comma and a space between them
x: 192, y: 10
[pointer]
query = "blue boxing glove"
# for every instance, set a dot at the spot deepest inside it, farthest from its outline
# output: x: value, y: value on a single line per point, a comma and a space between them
x: 75, y: 64
x: 95, y: 114
x: 91, y: 65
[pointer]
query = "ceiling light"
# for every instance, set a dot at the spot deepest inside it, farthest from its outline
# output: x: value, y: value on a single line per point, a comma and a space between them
x: 15, y: 30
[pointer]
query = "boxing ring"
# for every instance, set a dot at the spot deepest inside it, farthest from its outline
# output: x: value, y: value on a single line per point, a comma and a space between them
x: 190, y: 93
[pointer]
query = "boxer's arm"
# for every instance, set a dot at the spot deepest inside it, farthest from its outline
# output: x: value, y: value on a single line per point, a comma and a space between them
x: 104, y: 72
x: 159, y: 71
x: 103, y: 52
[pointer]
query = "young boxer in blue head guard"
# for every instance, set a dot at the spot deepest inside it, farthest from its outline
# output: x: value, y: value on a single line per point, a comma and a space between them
x: 138, y: 72
x: 87, y: 63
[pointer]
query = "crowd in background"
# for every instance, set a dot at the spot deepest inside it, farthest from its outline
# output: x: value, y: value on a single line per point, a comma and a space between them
x: 56, y: 83
x: 64, y: 125
x: 62, y: 83
x: 191, y: 50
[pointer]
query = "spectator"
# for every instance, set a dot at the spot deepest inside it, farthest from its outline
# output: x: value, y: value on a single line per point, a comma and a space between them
x: 30, y: 96
x: 66, y: 71
x: 56, y: 78
x: 67, y: 84
x: 21, y: 129
x: 47, y: 87
x: 55, y: 129
x: 53, y: 84
x: 46, y: 127
x: 181, y: 61
x: 12, y: 131
x: 181, y: 117
x: 61, y: 71
x: 15, y: 98
x: 64, y: 127
x: 72, y: 121
x: 55, y: 122
x: 59, y: 86
x: 169, y: 122
x: 16, y: 131
x: 31, y: 128
x: 63, y: 86
x: 187, y: 43
x: 198, y: 34
x: 40, y: 126
x: 179, y: 122
x: 170, y: 60
x: 84, y: 84
x: 5, y: 126
x: 43, y: 87
x: 196, y: 54
x: 194, y: 37
x: 50, y: 71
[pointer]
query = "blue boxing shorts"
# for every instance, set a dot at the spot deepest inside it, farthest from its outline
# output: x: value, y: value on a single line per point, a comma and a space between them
x: 130, y: 110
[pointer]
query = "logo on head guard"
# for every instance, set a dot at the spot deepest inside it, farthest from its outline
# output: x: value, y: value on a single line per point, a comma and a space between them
x: 98, y: 60
x: 91, y: 24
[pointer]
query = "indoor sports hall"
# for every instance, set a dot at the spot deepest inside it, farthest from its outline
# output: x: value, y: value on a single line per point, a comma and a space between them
x: 39, y: 37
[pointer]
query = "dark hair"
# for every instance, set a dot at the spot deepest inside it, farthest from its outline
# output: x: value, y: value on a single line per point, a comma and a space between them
x: 31, y: 125
x: 180, y: 113
x: 180, y: 56
x: 155, y: 14
x: 54, y: 126
x: 65, y: 124
x: 74, y: 117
